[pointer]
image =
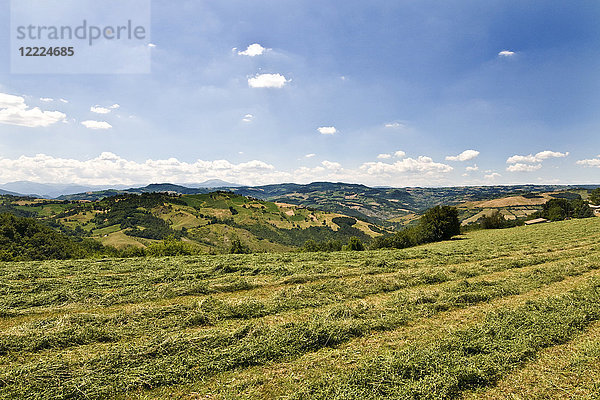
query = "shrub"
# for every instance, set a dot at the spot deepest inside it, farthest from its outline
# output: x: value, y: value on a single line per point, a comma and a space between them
x: 237, y: 247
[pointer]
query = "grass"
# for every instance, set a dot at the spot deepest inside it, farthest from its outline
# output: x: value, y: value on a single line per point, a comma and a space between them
x: 184, y: 327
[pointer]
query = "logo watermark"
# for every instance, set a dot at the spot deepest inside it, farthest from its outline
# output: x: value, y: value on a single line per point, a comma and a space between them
x: 80, y: 36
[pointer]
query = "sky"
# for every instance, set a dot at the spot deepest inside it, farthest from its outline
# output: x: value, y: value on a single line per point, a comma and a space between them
x: 383, y: 93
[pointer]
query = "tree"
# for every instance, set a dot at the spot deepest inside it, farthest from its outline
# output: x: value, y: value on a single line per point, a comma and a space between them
x: 493, y: 221
x: 354, y: 244
x: 237, y: 247
x: 581, y: 209
x: 439, y: 223
x: 595, y: 197
x: 310, y: 246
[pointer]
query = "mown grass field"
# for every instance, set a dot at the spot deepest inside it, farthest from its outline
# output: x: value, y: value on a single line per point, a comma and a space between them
x: 492, y: 315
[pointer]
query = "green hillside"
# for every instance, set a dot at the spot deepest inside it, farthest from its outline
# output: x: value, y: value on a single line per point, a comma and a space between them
x: 208, y: 222
x: 498, y: 312
x: 391, y: 206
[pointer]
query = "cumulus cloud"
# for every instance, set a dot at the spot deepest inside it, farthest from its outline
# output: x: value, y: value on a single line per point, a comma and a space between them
x: 109, y: 168
x: 537, y: 158
x: 14, y: 111
x: 331, y: 165
x: 473, y: 168
x: 64, y: 101
x: 492, y: 176
x: 523, y: 167
x: 311, y: 155
x: 327, y: 130
x: 506, y: 53
x: 100, y: 110
x: 151, y: 45
x: 397, y: 154
x: 46, y: 99
x: 591, y: 162
x: 253, y: 50
x: 276, y: 81
x: 96, y: 124
x: 421, y: 164
x: 466, y: 155
x: 248, y: 118
x: 115, y: 106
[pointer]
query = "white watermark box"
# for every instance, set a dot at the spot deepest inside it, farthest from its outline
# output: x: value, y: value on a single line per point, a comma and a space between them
x: 80, y: 37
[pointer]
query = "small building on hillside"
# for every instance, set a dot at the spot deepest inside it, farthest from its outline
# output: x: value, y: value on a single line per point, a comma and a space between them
x: 536, y: 221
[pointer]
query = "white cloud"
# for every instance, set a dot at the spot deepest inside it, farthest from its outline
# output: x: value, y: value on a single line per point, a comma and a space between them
x: 473, y: 168
x: 96, y: 124
x: 399, y: 154
x: 384, y: 156
x: 523, y: 167
x: 593, y: 162
x: 100, y: 110
x: 394, y: 125
x: 14, y: 111
x: 109, y: 168
x: 248, y: 118
x: 421, y: 164
x: 539, y: 157
x: 253, y: 50
x: 151, y: 45
x: 114, y: 106
x: 331, y: 165
x: 506, y: 53
x: 276, y: 81
x: 466, y: 155
x: 327, y: 130
x: 492, y: 176
x: 46, y: 99
x: 311, y: 155
x: 64, y: 101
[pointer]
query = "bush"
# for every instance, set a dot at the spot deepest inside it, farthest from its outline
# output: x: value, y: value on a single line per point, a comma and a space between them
x: 354, y: 244
x: 237, y: 247
x: 328, y: 246
x: 170, y: 247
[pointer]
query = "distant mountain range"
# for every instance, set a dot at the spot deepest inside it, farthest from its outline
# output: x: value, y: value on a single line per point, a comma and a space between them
x: 52, y: 191
x: 7, y: 193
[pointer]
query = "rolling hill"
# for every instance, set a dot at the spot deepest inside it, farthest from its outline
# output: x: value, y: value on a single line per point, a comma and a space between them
x: 209, y: 221
x: 382, y: 206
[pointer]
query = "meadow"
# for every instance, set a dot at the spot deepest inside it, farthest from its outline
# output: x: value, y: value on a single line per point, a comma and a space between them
x: 493, y: 314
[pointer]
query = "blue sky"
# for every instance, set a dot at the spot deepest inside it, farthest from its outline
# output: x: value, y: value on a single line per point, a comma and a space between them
x: 396, y: 93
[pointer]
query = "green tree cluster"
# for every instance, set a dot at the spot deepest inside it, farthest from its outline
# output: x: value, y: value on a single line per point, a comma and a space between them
x: 595, y: 197
x: 237, y: 247
x: 437, y: 224
x: 561, y: 209
x: 26, y: 239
